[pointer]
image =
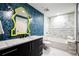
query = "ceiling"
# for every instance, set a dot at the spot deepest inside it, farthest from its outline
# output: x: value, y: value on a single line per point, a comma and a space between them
x: 53, y: 9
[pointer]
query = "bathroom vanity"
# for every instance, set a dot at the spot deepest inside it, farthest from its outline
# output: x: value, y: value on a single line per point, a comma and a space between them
x: 29, y: 46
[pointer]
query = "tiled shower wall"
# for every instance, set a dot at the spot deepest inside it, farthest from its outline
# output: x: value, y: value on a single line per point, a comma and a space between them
x: 62, y: 26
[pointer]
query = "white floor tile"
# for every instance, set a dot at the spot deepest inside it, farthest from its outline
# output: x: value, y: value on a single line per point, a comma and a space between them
x: 55, y: 52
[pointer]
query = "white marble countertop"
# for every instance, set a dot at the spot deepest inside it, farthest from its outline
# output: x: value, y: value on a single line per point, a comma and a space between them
x: 17, y: 41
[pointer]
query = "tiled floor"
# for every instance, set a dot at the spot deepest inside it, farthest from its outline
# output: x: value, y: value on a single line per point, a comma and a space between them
x: 57, y: 47
x: 55, y: 52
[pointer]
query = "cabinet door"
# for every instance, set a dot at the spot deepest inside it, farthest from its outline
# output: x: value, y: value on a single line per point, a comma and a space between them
x: 24, y: 49
x: 13, y: 51
x: 36, y: 49
x: 39, y: 47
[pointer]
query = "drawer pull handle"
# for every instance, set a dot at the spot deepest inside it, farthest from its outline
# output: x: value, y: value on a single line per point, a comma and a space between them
x: 9, y: 52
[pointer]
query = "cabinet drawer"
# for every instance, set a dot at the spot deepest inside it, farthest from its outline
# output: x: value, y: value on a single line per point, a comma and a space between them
x: 9, y: 51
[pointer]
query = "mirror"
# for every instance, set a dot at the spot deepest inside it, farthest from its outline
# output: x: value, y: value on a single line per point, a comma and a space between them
x: 1, y: 29
x: 21, y: 20
x: 21, y: 25
x: 22, y: 12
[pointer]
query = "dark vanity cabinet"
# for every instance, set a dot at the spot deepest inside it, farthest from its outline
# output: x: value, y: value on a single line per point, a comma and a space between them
x: 24, y: 49
x: 36, y: 47
x: 32, y: 48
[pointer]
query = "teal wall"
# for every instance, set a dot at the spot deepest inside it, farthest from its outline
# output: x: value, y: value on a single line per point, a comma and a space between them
x: 36, y: 25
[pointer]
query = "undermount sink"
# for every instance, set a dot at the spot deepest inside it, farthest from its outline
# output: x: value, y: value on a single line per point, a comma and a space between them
x: 3, y: 44
x: 13, y: 42
x: 33, y: 37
